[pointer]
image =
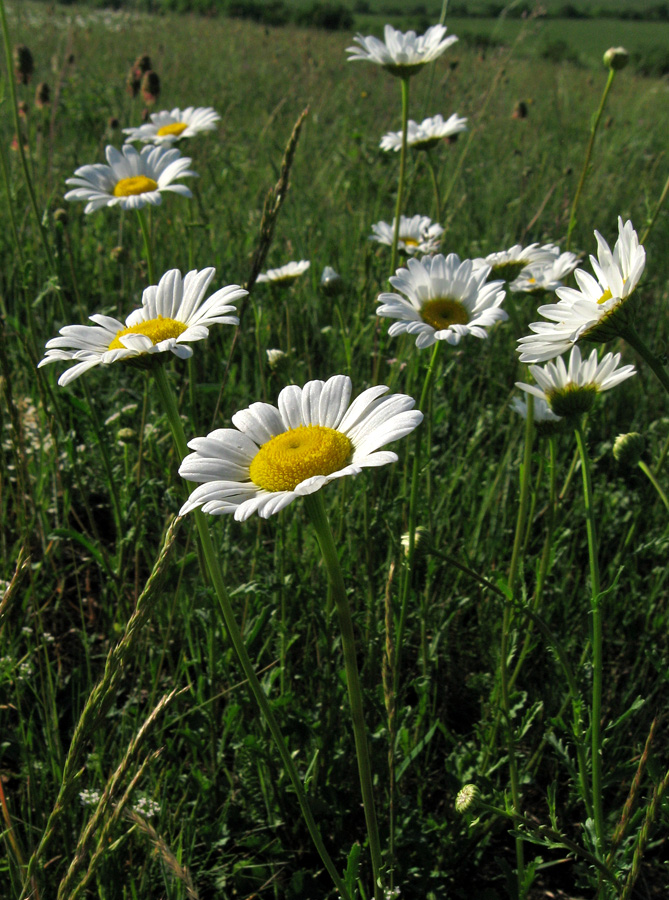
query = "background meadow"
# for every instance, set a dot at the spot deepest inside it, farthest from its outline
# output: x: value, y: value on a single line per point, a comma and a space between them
x: 214, y: 815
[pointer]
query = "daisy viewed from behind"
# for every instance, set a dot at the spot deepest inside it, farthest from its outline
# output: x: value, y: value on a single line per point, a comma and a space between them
x: 417, y: 234
x: 274, y: 455
x: 402, y: 54
x: 167, y: 127
x: 444, y: 299
x: 426, y: 135
x: 284, y: 275
x: 599, y: 310
x: 173, y: 314
x: 131, y: 179
x: 509, y: 264
x: 571, y: 391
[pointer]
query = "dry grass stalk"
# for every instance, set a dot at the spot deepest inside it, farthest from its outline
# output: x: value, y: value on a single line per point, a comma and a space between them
x: 161, y: 847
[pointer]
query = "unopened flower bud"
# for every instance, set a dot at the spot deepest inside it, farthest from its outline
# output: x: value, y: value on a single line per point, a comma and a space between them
x: 628, y: 448
x: 23, y: 63
x: 616, y: 58
x: 419, y: 540
x: 132, y: 83
x: 150, y: 86
x: 467, y: 799
x: 61, y: 217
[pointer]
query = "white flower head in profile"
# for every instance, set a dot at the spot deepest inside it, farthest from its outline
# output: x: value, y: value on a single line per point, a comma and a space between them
x: 284, y: 275
x: 545, y: 277
x: 173, y: 314
x: 417, y: 234
x: 509, y: 264
x: 131, y: 179
x: 570, y: 390
x: 166, y: 127
x: 442, y: 299
x: 402, y: 54
x: 599, y: 310
x: 426, y: 135
x: 274, y: 455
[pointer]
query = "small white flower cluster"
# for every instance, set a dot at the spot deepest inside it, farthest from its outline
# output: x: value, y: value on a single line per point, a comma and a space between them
x: 89, y: 797
x: 146, y: 807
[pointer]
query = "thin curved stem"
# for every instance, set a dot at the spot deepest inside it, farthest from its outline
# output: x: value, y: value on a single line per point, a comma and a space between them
x: 588, y: 154
x: 631, y: 335
x: 435, y: 184
x: 147, y: 246
x: 316, y: 509
x: 597, y: 666
x: 653, y: 480
x: 227, y: 613
x: 403, y: 162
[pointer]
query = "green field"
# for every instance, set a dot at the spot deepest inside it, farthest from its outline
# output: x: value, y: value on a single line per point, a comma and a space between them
x: 483, y: 617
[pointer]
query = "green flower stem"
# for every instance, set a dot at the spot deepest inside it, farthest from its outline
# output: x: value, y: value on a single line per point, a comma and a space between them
x: 225, y: 606
x: 405, y: 582
x: 595, y: 722
x: 435, y: 185
x: 653, y: 480
x: 543, y: 832
x: 19, y: 140
x: 316, y: 509
x: 403, y: 162
x: 660, y: 203
x: 631, y: 335
x: 588, y: 154
x: 147, y: 246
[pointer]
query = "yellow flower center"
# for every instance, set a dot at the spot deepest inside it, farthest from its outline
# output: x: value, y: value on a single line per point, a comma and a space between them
x: 605, y: 296
x: 157, y: 330
x: 176, y: 128
x: 409, y: 241
x: 443, y: 312
x: 297, y: 454
x: 138, y: 184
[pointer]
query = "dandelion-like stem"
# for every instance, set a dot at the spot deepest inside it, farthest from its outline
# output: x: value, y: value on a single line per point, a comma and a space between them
x: 435, y: 184
x: 596, y: 711
x: 631, y: 335
x: 316, y: 509
x: 235, y: 635
x: 653, y: 480
x: 403, y: 163
x: 147, y: 246
x: 588, y: 154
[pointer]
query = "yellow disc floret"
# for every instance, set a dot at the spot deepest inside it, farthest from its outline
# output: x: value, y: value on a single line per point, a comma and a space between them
x: 176, y: 128
x: 157, y: 330
x: 297, y: 454
x: 605, y: 296
x: 443, y: 312
x: 138, y: 184
x: 409, y: 241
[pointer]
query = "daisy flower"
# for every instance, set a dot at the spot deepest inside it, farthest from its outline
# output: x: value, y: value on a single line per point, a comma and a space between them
x: 508, y: 264
x: 173, y: 314
x: 132, y: 179
x: 166, y: 127
x: 426, y: 135
x: 596, y: 312
x: 402, y: 54
x: 571, y: 391
x: 274, y: 455
x: 417, y: 234
x: 545, y: 420
x: 285, y: 274
x: 545, y: 276
x: 444, y: 300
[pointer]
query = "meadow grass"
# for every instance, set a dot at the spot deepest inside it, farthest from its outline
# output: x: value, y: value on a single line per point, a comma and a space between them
x: 187, y: 795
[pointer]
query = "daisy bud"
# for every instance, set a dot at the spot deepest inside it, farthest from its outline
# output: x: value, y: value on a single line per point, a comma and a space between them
x: 42, y: 95
x: 150, y: 86
x: 616, y: 58
x: 467, y: 799
x: 23, y: 63
x: 60, y: 216
x: 628, y: 448
x: 330, y: 281
x: 419, y: 540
